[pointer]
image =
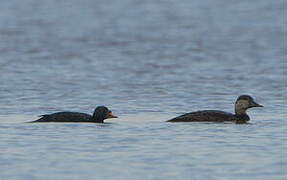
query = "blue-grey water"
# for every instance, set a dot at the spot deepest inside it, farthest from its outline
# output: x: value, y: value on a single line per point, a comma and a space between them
x: 148, y: 61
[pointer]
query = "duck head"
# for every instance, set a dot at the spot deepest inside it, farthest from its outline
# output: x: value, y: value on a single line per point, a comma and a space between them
x: 101, y: 113
x: 243, y: 103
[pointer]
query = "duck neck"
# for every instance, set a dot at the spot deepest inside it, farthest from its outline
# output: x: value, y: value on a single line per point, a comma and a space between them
x: 98, y: 118
x: 241, y: 116
x: 242, y: 119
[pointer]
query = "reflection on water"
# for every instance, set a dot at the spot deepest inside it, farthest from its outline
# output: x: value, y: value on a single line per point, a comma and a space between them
x: 148, y: 61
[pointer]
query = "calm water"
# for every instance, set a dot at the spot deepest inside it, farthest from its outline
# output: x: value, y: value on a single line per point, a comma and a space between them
x: 148, y: 62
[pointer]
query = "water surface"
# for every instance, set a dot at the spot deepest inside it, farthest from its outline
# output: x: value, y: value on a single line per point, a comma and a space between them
x: 148, y: 62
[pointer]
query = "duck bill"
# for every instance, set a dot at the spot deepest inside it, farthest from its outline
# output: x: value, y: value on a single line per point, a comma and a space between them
x: 254, y: 104
x: 111, y: 115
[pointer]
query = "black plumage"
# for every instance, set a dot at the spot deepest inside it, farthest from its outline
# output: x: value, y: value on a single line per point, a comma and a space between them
x: 100, y: 114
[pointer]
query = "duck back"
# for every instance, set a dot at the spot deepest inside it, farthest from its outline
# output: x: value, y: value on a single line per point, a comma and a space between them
x: 65, y: 117
x: 205, y: 116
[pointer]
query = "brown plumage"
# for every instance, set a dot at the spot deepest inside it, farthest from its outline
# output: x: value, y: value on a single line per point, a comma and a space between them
x: 243, y: 103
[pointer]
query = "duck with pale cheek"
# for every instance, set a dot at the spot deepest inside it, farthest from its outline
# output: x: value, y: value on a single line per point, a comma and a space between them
x: 100, y: 114
x: 243, y: 103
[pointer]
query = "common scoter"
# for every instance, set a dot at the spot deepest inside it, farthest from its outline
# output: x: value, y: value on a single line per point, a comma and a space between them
x: 100, y: 114
x: 243, y: 103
